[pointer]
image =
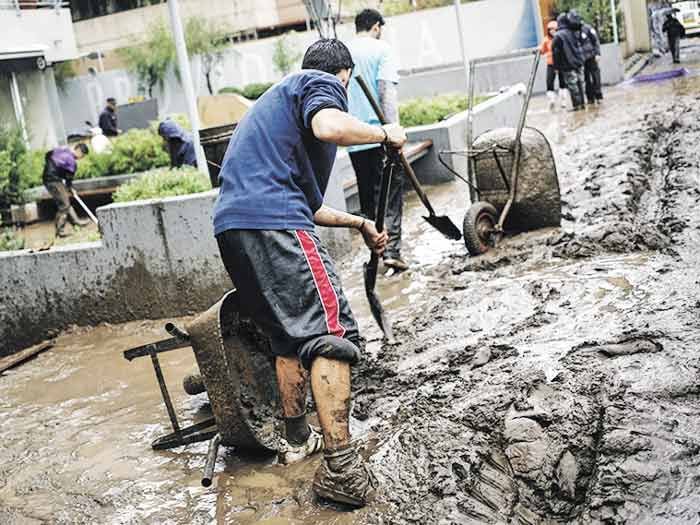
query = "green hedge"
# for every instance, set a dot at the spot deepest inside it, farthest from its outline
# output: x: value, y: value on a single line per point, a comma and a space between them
x: 9, y: 241
x: 421, y: 111
x: 251, y: 91
x: 163, y: 183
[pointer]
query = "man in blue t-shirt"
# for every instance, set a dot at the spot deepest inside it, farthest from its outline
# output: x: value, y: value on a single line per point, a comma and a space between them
x: 375, y: 62
x: 273, y: 178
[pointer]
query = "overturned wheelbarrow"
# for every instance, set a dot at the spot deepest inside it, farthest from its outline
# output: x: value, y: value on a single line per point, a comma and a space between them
x: 237, y: 370
x: 511, y: 174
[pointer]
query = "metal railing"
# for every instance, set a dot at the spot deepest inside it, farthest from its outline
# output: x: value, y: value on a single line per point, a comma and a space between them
x: 19, y: 5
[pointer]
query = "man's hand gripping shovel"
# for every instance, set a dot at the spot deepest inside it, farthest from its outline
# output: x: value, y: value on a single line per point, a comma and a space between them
x: 371, y: 267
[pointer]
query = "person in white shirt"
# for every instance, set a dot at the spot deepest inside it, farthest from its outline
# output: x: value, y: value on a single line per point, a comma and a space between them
x: 375, y: 62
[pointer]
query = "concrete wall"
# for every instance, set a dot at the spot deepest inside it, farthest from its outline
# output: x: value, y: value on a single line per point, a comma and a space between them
x: 493, y: 77
x: 451, y: 134
x: 636, y: 18
x: 122, y: 29
x: 156, y: 259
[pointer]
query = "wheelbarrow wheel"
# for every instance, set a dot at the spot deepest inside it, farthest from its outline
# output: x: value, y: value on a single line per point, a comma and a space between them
x: 479, y: 223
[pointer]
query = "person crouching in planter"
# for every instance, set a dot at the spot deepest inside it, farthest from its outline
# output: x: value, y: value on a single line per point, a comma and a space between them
x: 60, y: 165
x: 178, y: 144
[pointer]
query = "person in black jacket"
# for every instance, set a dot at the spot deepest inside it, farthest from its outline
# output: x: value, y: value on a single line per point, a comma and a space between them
x: 590, y: 44
x: 108, y: 119
x: 674, y: 32
x: 568, y: 59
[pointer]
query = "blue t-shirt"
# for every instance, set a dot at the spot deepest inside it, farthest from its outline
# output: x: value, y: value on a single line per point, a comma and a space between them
x: 275, y: 171
x: 374, y: 61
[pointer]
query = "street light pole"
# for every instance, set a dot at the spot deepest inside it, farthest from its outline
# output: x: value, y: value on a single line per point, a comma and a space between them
x: 462, y: 46
x: 613, y: 13
x: 186, y: 76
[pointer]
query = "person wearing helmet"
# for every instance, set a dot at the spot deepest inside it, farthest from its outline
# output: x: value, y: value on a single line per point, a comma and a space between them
x: 546, y: 50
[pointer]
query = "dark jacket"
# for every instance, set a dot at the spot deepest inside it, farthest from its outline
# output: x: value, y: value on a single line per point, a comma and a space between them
x: 108, y: 122
x: 59, y: 166
x: 590, y: 43
x: 566, y: 47
x: 180, y: 144
x: 673, y: 28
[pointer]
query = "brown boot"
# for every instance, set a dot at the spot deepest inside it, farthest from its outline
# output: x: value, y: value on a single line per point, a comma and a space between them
x: 74, y: 219
x: 344, y: 477
x: 62, y: 229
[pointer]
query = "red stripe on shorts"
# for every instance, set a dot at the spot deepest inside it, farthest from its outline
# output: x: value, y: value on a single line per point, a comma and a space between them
x: 326, y: 292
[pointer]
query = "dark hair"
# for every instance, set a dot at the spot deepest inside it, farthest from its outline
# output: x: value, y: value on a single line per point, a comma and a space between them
x: 329, y: 55
x: 82, y: 148
x: 111, y: 100
x: 365, y: 19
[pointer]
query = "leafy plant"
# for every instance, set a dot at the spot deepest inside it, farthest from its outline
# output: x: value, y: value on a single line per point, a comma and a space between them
x: 421, y: 111
x: 62, y: 71
x: 594, y: 12
x: 251, y: 91
x: 207, y: 39
x: 150, y: 60
x: 163, y: 183
x: 286, y: 53
x: 9, y: 240
x: 12, y: 157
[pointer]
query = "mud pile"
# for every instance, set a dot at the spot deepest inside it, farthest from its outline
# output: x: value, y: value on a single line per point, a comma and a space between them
x: 529, y: 396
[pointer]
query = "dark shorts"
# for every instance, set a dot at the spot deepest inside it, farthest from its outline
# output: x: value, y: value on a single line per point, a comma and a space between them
x: 289, y: 288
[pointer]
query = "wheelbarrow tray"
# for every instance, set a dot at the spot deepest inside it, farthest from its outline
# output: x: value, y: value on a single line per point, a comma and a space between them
x: 238, y: 370
x: 537, y: 201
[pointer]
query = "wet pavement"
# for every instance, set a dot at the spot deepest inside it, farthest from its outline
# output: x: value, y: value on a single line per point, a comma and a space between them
x: 555, y: 380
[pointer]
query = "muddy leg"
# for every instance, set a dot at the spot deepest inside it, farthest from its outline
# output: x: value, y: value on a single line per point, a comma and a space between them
x: 292, y: 381
x: 330, y: 385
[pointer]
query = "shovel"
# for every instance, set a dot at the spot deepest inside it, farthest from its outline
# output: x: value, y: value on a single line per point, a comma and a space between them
x: 370, y: 268
x: 441, y: 223
x: 84, y: 206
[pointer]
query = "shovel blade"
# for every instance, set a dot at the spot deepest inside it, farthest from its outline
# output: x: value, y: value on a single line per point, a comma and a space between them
x: 375, y: 306
x: 444, y: 225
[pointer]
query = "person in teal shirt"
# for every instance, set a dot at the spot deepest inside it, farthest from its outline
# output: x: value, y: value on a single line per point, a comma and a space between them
x: 375, y: 62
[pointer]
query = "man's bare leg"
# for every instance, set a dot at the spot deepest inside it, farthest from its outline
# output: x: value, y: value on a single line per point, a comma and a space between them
x: 343, y: 475
x: 292, y: 381
x: 330, y: 384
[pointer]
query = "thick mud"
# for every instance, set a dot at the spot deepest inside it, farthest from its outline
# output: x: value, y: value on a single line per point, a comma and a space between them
x: 555, y: 380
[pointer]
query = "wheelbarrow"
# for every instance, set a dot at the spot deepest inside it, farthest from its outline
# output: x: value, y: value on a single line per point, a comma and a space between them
x: 511, y: 174
x: 238, y: 373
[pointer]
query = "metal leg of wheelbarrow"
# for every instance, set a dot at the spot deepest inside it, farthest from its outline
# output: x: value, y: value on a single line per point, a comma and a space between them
x: 202, y: 431
x: 515, y: 169
x: 212, y: 453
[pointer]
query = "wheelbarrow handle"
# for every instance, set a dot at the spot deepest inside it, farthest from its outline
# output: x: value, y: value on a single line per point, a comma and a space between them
x: 408, y: 170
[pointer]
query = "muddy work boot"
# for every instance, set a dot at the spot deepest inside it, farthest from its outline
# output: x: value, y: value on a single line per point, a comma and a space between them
x: 291, y: 453
x: 62, y: 228
x: 344, y: 477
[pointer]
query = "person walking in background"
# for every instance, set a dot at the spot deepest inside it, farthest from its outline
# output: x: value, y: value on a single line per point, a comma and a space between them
x: 375, y: 63
x: 674, y: 32
x: 60, y: 165
x: 552, y: 76
x: 590, y: 44
x: 178, y: 143
x: 568, y: 58
x: 108, y: 119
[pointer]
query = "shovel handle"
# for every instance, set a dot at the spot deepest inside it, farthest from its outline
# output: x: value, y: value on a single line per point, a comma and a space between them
x: 408, y: 170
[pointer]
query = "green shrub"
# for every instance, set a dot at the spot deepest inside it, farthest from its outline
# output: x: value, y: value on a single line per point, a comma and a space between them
x: 12, y: 156
x: 9, y: 241
x: 421, y: 111
x: 163, y: 183
x: 251, y: 91
x: 134, y: 151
